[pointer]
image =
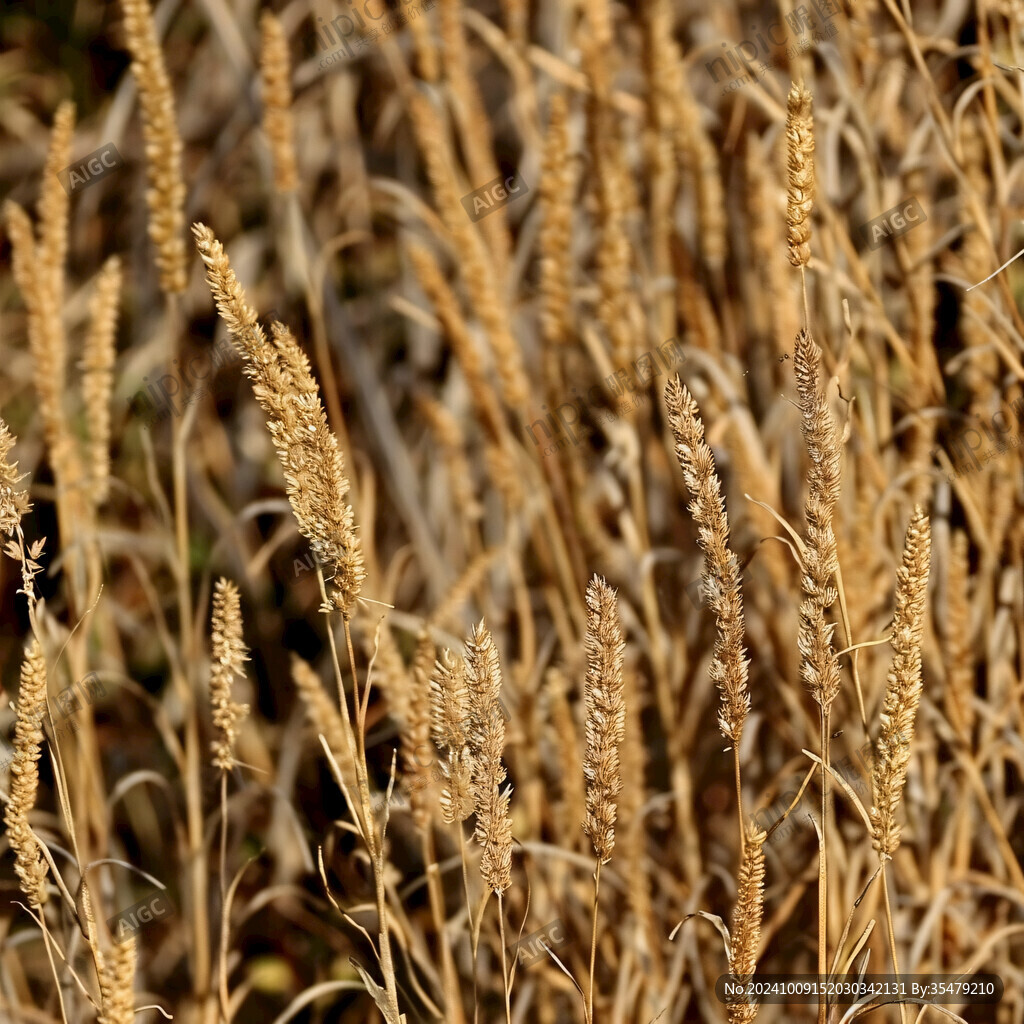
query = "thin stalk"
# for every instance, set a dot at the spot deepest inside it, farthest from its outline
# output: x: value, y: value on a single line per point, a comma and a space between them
x: 223, y: 987
x: 739, y: 798
x: 892, y: 935
x: 452, y: 997
x: 824, y: 719
x: 504, y: 962
x: 593, y: 944
x: 193, y: 790
x: 474, y: 927
x: 357, y: 743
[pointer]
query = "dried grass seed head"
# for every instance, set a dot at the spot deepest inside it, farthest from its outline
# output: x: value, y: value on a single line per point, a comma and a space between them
x: 606, y: 715
x: 800, y: 174
x: 228, y: 657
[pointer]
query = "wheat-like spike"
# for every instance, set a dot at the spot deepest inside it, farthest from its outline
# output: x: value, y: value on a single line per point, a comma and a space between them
x: 557, y: 185
x: 800, y: 166
x: 903, y: 688
x: 28, y: 736
x: 227, y: 660
x: 45, y: 333
x: 721, y: 577
x: 606, y: 715
x: 517, y: 16
x: 699, y: 157
x: 447, y: 433
x: 416, y: 733
x: 959, y: 677
x: 485, y: 298
x: 485, y: 401
x: 116, y: 970
x: 746, y: 919
x: 449, y: 720
x: 820, y: 667
x: 166, y: 194
x: 486, y: 739
x: 428, y: 64
x: 450, y: 605
x: 616, y: 306
x: 98, y: 374
x: 14, y: 502
x: 476, y: 133
x: 322, y: 713
x: 52, y: 210
x: 277, y: 101
x: 314, y: 469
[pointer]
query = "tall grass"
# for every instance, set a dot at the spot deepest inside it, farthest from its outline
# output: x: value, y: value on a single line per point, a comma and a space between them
x: 413, y: 711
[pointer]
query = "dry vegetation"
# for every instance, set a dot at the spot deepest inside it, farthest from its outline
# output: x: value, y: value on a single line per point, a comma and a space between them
x: 464, y: 471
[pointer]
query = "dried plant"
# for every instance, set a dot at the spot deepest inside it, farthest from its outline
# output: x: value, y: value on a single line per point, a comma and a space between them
x: 492, y: 363
x: 486, y: 734
x: 746, y: 920
x: 606, y: 712
x: 98, y: 374
x: 277, y: 102
x: 820, y: 669
x: 449, y: 698
x: 903, y: 689
x: 14, y: 503
x: 166, y: 195
x: 606, y: 726
x: 117, y: 977
x: 28, y: 738
x: 308, y: 450
x: 227, y: 659
x: 800, y: 142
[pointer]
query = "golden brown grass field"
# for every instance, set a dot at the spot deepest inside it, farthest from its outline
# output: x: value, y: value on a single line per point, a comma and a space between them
x: 511, y: 512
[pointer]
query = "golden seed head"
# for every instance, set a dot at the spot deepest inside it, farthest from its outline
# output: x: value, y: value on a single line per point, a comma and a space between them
x: 746, y: 919
x: 486, y: 741
x: 729, y: 667
x: 800, y: 167
x: 904, y: 685
x: 277, y: 101
x: 228, y: 656
x: 116, y: 970
x: 284, y: 386
x: 606, y: 715
x: 14, y: 502
x: 820, y: 666
x: 449, y: 718
x: 28, y: 738
x: 166, y: 194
